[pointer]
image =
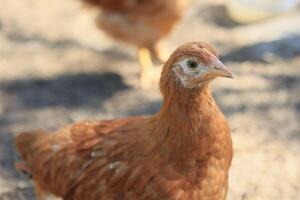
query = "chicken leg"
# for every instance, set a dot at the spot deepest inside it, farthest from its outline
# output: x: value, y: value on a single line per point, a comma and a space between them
x: 148, y: 72
x: 146, y: 68
x: 159, y: 52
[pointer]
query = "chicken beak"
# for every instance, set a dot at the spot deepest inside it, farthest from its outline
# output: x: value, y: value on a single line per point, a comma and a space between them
x: 218, y: 69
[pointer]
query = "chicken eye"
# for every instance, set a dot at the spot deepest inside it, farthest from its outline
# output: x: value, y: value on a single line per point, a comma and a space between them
x: 192, y: 64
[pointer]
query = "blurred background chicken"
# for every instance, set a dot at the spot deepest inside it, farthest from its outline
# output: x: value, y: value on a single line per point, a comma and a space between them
x: 143, y: 23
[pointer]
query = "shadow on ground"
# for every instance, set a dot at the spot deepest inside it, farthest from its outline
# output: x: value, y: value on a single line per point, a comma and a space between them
x: 7, y: 156
x: 284, y: 48
x: 69, y: 90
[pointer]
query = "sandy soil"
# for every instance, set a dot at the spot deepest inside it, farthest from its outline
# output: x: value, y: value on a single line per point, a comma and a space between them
x: 57, y: 68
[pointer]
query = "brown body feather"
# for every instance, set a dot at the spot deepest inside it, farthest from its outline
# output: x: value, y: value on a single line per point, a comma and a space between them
x: 181, y: 153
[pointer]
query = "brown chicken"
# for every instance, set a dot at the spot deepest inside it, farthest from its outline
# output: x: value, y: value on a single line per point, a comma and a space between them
x: 143, y: 23
x: 183, y: 152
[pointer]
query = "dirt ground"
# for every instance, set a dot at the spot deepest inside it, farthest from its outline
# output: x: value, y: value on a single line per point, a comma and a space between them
x: 57, y: 68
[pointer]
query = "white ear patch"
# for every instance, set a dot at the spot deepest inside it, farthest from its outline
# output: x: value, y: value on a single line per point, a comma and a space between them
x: 180, y: 74
x: 187, y: 75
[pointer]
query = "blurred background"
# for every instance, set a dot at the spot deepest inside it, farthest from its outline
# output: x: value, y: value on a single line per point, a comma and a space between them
x: 57, y: 67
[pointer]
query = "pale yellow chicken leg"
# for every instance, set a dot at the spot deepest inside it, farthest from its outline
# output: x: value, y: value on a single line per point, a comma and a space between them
x: 146, y: 68
x: 149, y: 74
x: 160, y: 52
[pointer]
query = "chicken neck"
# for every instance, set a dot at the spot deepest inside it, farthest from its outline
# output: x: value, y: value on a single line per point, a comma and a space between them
x: 184, y: 125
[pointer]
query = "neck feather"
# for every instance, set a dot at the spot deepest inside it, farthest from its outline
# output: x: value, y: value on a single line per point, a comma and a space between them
x: 184, y: 109
x: 183, y: 124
